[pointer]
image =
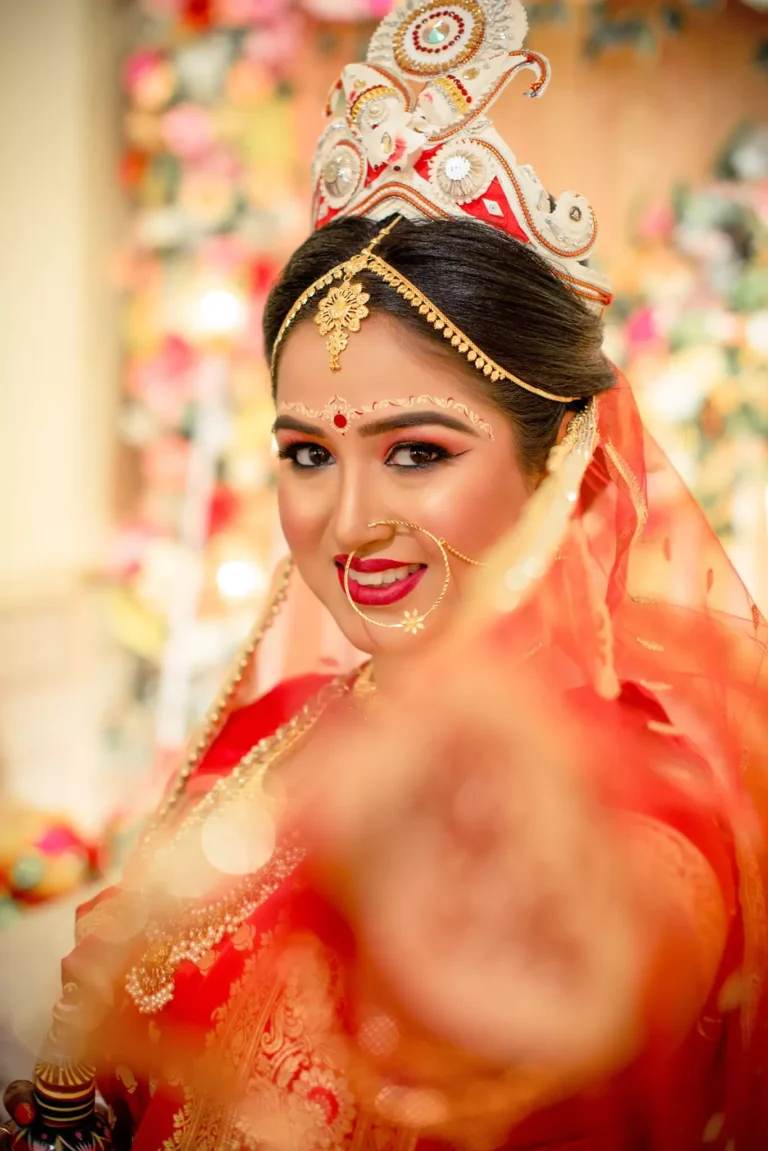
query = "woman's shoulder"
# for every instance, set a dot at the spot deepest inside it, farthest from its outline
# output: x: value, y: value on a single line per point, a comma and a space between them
x: 243, y: 728
x: 246, y: 725
x: 672, y: 783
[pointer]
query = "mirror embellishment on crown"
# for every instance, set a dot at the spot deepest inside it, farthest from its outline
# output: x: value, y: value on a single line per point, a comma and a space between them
x: 434, y: 152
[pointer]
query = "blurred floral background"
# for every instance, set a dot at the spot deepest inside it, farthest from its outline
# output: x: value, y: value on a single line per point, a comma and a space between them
x: 157, y: 154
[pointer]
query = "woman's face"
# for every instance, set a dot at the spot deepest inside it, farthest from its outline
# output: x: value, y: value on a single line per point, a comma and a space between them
x: 444, y: 460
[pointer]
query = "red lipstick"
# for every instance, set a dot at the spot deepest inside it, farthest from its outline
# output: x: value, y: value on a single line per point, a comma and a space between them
x: 377, y: 596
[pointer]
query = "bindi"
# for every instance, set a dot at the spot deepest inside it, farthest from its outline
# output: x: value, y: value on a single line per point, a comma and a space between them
x: 339, y: 413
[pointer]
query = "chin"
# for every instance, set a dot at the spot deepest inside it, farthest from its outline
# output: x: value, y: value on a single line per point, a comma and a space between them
x: 385, y: 641
x: 372, y: 640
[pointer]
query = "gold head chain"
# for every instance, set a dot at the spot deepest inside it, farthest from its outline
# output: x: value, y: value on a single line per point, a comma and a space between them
x: 344, y: 308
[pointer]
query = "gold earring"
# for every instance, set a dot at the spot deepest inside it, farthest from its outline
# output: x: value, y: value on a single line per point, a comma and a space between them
x: 412, y: 622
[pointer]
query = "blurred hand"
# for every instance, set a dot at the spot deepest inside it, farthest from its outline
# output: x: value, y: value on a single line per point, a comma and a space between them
x: 454, y: 823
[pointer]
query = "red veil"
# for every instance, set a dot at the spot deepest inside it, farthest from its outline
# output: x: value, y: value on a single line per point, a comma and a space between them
x: 670, y: 615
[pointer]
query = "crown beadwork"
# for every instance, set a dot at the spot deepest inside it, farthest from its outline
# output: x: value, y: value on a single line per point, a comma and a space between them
x: 435, y: 153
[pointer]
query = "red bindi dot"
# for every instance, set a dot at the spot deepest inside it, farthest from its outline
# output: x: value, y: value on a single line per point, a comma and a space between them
x: 339, y: 421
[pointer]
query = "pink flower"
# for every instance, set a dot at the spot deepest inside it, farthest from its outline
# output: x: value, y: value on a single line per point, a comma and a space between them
x: 250, y: 11
x: 220, y: 162
x: 128, y: 550
x: 248, y: 82
x: 347, y: 10
x: 641, y: 329
x: 226, y: 253
x: 176, y: 356
x: 188, y: 130
x: 657, y: 223
x: 56, y: 840
x: 164, y: 382
x: 137, y: 65
x: 164, y: 463
x: 760, y: 202
x: 149, y: 79
x: 274, y: 46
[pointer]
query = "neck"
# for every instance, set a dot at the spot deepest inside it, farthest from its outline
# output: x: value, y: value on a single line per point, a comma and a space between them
x: 387, y: 671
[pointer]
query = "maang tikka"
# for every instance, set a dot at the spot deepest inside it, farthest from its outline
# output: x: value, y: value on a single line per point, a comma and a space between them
x: 344, y: 308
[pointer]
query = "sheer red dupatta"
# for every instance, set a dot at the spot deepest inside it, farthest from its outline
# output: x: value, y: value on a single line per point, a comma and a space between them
x: 685, y: 629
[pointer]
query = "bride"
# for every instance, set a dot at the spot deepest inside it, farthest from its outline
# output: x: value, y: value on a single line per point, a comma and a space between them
x: 500, y: 884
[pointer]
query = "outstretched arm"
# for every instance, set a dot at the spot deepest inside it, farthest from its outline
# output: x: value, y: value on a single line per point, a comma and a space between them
x: 526, y: 927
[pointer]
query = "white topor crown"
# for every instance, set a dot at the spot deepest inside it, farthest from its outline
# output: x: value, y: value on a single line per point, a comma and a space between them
x: 435, y: 153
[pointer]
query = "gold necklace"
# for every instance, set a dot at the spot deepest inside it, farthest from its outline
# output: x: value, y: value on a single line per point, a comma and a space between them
x: 365, y: 687
x: 196, y: 928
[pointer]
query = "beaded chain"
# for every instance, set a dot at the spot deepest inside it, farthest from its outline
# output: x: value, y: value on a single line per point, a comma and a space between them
x: 220, y: 709
x: 150, y: 983
x: 253, y: 767
x: 342, y: 310
x: 197, y: 928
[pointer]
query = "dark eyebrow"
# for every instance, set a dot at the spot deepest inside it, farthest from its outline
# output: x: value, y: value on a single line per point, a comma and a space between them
x: 414, y: 420
x: 381, y: 426
x: 290, y: 424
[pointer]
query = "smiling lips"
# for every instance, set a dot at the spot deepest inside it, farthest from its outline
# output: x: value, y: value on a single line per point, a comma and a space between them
x: 377, y: 582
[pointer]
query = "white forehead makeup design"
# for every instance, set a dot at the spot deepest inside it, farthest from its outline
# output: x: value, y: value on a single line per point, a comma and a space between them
x: 339, y: 413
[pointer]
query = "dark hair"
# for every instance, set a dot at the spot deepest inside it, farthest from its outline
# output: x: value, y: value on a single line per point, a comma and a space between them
x: 501, y: 293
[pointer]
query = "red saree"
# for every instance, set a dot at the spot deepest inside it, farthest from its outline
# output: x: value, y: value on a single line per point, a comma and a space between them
x: 279, y: 1028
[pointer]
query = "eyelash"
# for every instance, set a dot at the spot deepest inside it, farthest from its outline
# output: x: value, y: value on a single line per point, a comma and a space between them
x: 441, y: 455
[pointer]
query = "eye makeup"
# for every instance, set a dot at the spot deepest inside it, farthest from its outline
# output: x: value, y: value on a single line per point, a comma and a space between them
x: 404, y: 456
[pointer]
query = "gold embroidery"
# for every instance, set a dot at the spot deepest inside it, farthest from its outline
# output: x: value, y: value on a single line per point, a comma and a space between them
x: 244, y: 939
x: 606, y: 680
x: 197, y: 928
x: 654, y: 685
x: 663, y: 728
x: 369, y: 96
x: 685, y: 874
x: 181, y: 1120
x: 275, y: 1040
x: 117, y: 917
x: 254, y: 766
x: 618, y: 466
x: 755, y: 915
x: 206, y: 961
x: 126, y: 1077
x: 649, y: 643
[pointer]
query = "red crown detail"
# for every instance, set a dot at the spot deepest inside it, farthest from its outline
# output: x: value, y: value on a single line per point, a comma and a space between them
x: 436, y: 153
